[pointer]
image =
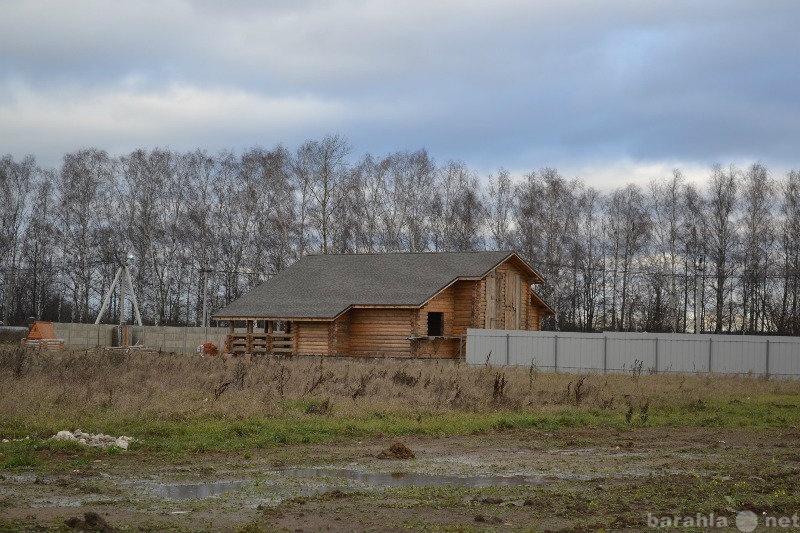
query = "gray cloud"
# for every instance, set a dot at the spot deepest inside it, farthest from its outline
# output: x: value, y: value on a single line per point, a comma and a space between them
x: 512, y: 83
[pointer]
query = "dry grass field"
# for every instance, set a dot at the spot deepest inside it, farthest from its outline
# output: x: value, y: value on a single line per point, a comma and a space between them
x: 212, y: 418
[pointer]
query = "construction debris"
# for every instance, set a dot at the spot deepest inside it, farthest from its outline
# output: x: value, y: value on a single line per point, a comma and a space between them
x: 98, y: 440
x: 398, y: 450
x: 91, y: 522
x: 208, y: 348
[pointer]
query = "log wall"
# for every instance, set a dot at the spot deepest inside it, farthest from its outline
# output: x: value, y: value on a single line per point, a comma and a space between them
x: 340, y: 335
x: 312, y: 338
x: 461, y: 305
x: 442, y: 303
x: 378, y: 331
x: 535, y: 317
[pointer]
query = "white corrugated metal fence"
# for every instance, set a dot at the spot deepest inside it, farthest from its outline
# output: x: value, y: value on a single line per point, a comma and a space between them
x: 623, y: 352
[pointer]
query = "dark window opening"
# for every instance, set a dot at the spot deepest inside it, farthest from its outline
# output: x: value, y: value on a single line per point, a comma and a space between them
x: 435, y: 324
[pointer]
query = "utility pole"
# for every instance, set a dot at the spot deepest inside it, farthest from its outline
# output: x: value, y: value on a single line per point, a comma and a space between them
x: 122, y: 297
x: 123, y: 276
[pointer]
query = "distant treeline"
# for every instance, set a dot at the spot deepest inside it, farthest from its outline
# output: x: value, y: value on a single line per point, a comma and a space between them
x: 635, y: 258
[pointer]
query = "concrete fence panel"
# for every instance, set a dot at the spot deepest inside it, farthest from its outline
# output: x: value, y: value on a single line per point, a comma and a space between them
x: 627, y: 352
x: 165, y: 338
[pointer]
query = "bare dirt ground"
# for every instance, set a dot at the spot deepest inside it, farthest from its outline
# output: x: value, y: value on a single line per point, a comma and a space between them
x: 513, y: 480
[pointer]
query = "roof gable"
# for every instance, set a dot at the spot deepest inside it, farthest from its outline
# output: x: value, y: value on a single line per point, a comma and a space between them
x: 324, y: 286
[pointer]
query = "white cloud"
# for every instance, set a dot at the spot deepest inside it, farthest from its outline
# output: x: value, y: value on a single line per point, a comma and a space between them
x: 60, y: 120
x: 611, y: 175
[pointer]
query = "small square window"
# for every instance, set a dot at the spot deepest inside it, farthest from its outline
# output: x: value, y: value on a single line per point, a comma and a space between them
x: 435, y: 324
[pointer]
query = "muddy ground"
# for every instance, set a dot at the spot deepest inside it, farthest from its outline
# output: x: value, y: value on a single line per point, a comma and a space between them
x: 567, y: 480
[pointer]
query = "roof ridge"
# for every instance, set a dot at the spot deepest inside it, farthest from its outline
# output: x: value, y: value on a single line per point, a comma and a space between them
x: 414, y: 253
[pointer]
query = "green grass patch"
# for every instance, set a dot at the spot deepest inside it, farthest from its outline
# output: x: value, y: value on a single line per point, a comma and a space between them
x: 18, y: 455
x: 207, y: 433
x: 769, y: 412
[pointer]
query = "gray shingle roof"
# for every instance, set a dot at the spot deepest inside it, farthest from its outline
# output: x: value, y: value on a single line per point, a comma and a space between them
x: 323, y: 286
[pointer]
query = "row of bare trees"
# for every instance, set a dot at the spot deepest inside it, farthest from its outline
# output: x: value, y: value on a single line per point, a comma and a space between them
x: 669, y: 256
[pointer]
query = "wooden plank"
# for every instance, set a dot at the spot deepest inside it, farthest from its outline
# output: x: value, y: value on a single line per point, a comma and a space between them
x: 490, y: 285
x: 517, y: 301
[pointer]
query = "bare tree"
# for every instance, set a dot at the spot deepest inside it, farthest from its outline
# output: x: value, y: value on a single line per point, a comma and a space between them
x: 457, y: 213
x: 39, y: 252
x: 83, y: 184
x: 787, y: 314
x: 665, y: 205
x: 588, y: 257
x: 196, y: 173
x: 693, y: 209
x: 16, y: 179
x: 546, y: 224
x: 720, y: 235
x: 499, y: 209
x: 322, y: 171
x: 758, y: 241
x: 630, y: 227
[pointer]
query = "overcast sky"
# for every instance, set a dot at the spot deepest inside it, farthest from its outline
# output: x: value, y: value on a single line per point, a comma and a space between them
x: 612, y: 91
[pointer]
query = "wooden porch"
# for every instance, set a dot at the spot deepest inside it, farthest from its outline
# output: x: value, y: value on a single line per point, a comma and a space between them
x: 266, y: 341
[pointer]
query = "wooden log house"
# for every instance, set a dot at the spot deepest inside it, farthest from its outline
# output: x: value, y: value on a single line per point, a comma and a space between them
x: 391, y: 304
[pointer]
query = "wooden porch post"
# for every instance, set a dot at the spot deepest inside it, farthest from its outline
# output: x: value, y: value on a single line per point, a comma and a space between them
x: 250, y: 336
x: 229, y: 341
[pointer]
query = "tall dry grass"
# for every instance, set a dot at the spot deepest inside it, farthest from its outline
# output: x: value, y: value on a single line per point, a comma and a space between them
x: 179, y: 387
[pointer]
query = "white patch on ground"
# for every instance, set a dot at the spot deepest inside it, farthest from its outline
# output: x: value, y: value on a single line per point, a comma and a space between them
x: 99, y: 440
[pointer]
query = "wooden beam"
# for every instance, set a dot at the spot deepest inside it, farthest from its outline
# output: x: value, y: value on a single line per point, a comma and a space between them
x: 284, y: 318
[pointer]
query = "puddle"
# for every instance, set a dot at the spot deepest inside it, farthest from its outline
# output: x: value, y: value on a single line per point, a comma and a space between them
x: 291, y: 482
x: 576, y: 451
x: 408, y: 479
x: 69, y: 501
x: 191, y: 491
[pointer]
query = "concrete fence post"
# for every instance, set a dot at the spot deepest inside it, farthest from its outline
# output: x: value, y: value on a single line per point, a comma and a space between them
x: 508, y: 349
x: 766, y: 362
x: 605, y: 354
